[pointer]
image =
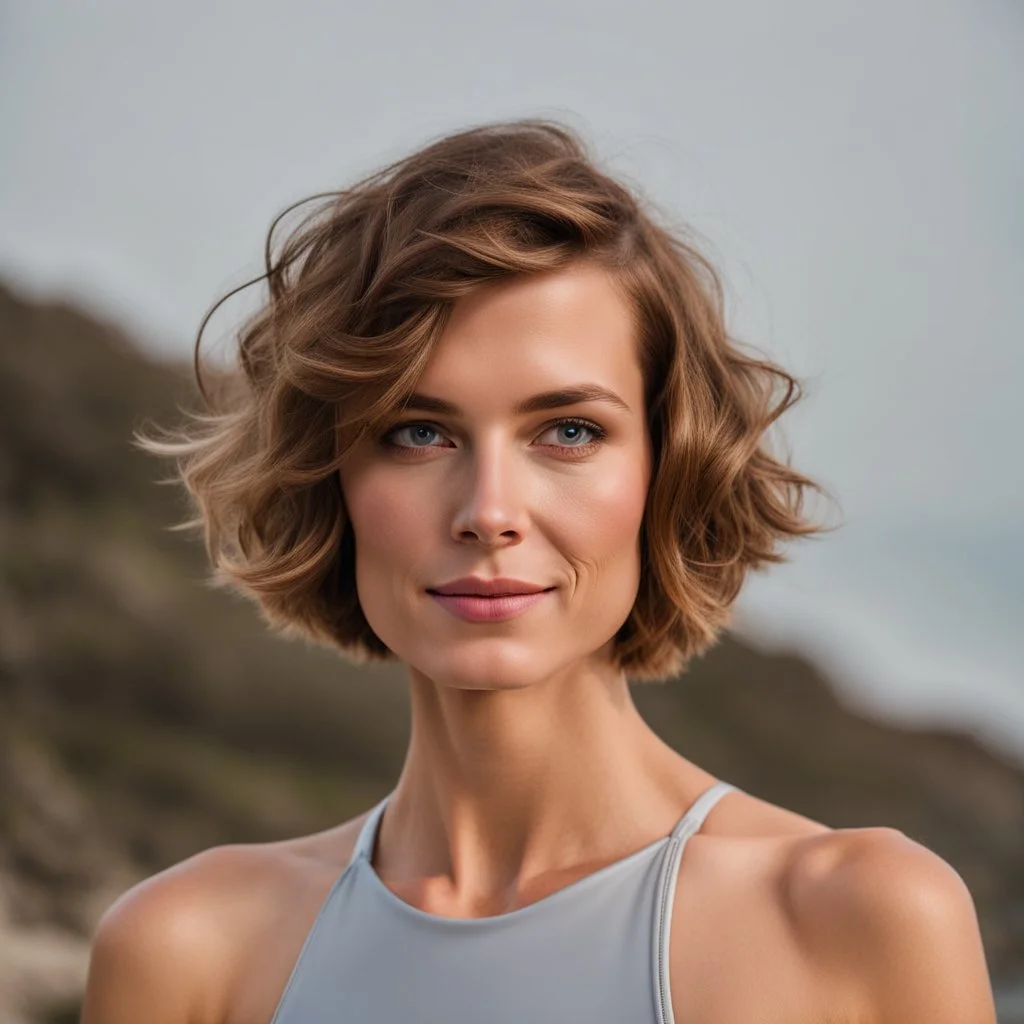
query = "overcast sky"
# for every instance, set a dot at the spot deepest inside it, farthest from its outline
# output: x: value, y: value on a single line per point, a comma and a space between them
x: 855, y: 170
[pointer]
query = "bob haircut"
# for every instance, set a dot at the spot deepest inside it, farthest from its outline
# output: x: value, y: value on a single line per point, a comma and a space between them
x: 359, y: 293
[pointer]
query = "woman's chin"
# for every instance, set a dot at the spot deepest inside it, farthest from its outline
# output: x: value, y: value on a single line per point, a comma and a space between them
x: 485, y: 671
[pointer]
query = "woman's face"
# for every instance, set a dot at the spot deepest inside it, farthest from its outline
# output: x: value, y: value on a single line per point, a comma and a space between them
x: 487, y: 489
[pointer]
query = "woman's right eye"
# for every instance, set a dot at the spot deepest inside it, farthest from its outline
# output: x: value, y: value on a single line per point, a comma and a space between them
x: 414, y: 432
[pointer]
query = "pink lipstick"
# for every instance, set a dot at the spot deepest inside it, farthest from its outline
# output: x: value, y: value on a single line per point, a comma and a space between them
x: 476, y: 608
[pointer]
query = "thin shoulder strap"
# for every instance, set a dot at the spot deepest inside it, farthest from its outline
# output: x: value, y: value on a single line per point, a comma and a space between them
x: 692, y: 820
x: 690, y: 823
x: 368, y: 833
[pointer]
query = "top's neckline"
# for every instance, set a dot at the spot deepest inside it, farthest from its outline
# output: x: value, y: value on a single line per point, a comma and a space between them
x: 518, y: 913
x: 689, y: 823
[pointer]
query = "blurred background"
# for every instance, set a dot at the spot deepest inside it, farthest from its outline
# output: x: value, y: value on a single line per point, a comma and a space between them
x: 854, y: 170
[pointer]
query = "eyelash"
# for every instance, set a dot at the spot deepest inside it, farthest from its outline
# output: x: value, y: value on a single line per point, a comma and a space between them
x: 600, y: 434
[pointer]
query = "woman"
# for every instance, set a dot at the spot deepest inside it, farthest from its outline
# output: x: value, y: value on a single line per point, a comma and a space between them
x: 490, y: 423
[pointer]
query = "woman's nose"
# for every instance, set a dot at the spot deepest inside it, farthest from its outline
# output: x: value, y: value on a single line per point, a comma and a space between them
x: 491, y: 497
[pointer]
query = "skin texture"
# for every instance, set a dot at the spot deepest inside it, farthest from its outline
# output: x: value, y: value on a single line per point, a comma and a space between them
x: 528, y: 765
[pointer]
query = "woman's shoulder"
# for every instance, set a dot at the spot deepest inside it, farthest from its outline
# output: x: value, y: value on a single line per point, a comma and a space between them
x: 828, y: 923
x: 174, y: 946
x: 897, y: 918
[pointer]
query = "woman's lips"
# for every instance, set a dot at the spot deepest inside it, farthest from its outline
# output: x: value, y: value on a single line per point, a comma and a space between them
x: 474, y: 608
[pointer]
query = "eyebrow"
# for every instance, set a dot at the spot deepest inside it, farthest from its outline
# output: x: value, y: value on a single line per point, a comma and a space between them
x: 535, y: 403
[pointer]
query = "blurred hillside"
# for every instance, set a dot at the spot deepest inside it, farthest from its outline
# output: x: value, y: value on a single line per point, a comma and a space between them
x: 145, y: 716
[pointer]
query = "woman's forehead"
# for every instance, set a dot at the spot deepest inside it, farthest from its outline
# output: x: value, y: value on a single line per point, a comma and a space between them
x: 583, y: 292
x: 570, y: 328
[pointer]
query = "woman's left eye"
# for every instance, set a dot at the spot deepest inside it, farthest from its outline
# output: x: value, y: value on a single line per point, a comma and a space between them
x: 576, y: 427
x: 574, y: 430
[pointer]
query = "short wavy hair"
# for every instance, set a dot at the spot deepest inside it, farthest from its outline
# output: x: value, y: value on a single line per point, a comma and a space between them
x: 358, y: 294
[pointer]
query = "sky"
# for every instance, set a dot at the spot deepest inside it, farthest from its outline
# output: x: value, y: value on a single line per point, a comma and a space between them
x: 854, y: 170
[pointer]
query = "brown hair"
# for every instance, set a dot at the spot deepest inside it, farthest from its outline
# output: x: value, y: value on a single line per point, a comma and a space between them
x: 360, y: 291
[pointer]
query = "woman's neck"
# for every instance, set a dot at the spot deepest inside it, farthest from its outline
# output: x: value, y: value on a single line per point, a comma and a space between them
x: 501, y: 787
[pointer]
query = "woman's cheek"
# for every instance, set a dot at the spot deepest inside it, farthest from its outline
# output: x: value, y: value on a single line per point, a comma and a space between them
x: 608, y: 506
x: 386, y: 512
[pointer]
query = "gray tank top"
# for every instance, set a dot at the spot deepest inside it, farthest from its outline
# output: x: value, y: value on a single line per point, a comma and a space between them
x: 595, y: 950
